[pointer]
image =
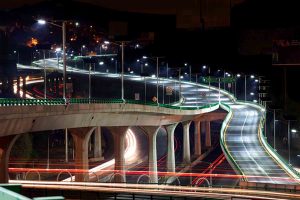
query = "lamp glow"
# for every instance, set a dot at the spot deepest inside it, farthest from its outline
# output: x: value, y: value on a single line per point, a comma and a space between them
x: 41, y: 21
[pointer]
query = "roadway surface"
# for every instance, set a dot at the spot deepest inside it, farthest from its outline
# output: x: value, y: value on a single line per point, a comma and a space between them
x: 244, y: 145
x: 241, y: 134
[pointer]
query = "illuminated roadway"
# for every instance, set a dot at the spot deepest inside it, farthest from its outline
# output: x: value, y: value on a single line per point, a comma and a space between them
x: 243, y: 142
x: 242, y: 138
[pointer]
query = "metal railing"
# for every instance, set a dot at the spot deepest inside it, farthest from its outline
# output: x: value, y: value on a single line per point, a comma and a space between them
x: 60, y: 101
x: 20, y: 102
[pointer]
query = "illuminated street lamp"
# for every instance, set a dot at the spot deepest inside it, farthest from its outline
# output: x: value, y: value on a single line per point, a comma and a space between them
x: 190, y: 71
x: 122, y: 64
x: 289, y: 119
x: 63, y: 27
x: 157, y: 72
x: 245, y: 78
x: 41, y: 21
x: 274, y: 124
x: 57, y: 51
x: 81, y: 49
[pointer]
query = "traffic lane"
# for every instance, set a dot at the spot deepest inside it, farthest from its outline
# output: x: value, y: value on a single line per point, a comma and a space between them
x: 189, y: 90
x: 211, y: 96
x: 246, y: 149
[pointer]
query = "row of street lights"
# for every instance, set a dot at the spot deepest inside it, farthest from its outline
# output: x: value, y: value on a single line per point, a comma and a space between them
x: 122, y: 44
x: 63, y: 27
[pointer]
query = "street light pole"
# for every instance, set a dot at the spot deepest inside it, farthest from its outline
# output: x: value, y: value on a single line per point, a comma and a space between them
x: 145, y: 89
x: 63, y: 27
x: 179, y: 83
x: 66, y: 146
x: 167, y: 70
x: 48, y: 152
x: 219, y: 90
x: 245, y: 87
x: 289, y: 142
x: 45, y: 78
x: 235, y: 87
x: 90, y: 66
x: 190, y: 73
x: 224, y: 80
x: 157, y: 80
x: 209, y: 85
x: 274, y: 124
x: 122, y: 74
x: 64, y: 58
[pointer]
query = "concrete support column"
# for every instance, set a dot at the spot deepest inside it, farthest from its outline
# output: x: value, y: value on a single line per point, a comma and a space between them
x: 24, y: 86
x: 6, y: 144
x: 207, y: 134
x: 97, y: 143
x: 186, y: 142
x: 171, y: 154
x: 197, y: 138
x: 81, y: 138
x: 152, y: 152
x: 119, y: 134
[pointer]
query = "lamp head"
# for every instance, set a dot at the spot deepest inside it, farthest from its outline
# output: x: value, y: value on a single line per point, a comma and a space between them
x: 41, y: 21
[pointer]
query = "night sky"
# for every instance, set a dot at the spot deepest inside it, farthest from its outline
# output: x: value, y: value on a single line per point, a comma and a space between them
x: 154, y: 6
x: 238, y: 39
x: 145, y: 6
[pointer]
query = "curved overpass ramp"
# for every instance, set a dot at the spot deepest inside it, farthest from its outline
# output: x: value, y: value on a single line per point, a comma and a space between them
x: 247, y: 150
x: 241, y: 136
